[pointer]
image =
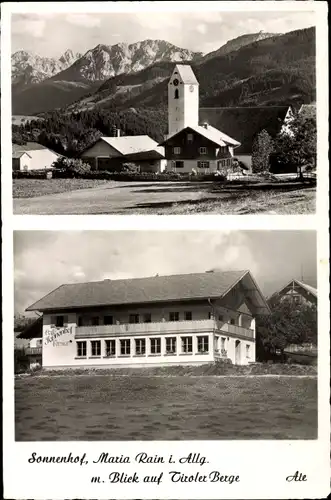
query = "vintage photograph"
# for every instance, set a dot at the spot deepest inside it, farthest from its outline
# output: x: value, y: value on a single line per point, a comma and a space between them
x: 164, y: 113
x: 194, y: 335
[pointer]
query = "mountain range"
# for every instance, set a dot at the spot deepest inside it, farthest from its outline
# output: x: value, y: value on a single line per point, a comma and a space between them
x: 261, y: 68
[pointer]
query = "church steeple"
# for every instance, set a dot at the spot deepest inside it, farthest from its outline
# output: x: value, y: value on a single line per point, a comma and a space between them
x: 183, y: 99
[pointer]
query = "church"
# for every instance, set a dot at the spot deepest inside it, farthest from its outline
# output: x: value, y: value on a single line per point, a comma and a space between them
x: 190, y: 146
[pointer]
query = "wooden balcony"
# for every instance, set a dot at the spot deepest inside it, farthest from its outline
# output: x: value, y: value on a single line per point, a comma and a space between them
x: 204, y: 326
x: 33, y: 351
x: 166, y: 327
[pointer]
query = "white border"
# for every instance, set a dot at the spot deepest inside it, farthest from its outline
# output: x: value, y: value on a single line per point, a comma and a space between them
x: 262, y: 465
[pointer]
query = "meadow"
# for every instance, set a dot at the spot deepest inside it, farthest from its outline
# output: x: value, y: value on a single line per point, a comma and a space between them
x: 118, y: 407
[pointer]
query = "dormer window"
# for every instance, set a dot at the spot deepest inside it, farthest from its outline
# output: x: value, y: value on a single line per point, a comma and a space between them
x: 176, y: 94
x: 177, y: 150
x: 203, y: 150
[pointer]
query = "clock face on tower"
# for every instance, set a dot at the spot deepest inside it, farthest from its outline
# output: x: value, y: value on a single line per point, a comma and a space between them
x: 175, y: 82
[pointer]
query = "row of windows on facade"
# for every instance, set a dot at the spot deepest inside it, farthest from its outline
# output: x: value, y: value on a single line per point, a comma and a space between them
x: 203, y: 164
x: 61, y: 321
x: 155, y: 346
x: 140, y: 346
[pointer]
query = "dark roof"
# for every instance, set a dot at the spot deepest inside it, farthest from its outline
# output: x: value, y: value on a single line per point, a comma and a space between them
x: 244, y: 123
x: 147, y: 290
x: 29, y: 146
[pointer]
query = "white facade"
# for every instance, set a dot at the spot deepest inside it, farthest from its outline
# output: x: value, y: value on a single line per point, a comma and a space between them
x: 183, y: 102
x: 154, y: 336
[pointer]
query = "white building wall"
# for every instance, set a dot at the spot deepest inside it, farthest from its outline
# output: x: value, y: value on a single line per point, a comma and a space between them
x: 41, y: 159
x: 60, y: 344
x: 190, y: 165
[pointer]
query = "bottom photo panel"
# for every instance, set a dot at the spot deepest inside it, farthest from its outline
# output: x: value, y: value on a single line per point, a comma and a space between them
x: 165, y: 335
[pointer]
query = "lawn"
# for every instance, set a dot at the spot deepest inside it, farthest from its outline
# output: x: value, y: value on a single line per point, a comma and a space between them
x: 29, y: 188
x: 114, y: 407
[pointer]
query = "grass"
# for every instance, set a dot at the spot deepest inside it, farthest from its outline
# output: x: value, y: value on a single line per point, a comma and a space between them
x: 115, y: 407
x: 241, y: 202
x: 29, y: 188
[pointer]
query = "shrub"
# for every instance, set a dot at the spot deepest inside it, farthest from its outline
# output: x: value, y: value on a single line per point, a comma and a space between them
x: 130, y: 167
x: 21, y: 361
x: 73, y: 167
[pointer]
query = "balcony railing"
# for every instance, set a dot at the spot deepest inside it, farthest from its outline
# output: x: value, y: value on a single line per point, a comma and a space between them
x: 169, y: 327
x: 166, y: 327
x: 235, y: 329
x: 33, y: 350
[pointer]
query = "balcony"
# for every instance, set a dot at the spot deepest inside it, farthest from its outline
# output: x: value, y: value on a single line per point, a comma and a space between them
x: 235, y: 330
x: 33, y: 351
x: 164, y: 327
x: 167, y: 327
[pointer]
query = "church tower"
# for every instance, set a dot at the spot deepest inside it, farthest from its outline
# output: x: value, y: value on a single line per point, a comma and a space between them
x: 183, y: 99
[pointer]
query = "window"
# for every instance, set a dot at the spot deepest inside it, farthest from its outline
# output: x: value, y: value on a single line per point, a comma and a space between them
x: 95, y: 321
x: 110, y: 347
x: 81, y: 349
x: 59, y: 321
x: 140, y: 347
x: 297, y: 299
x: 147, y: 318
x: 134, y: 318
x: 177, y: 150
x: 108, y: 320
x: 95, y: 347
x: 203, y: 150
x: 216, y: 340
x: 125, y: 347
x: 220, y: 317
x: 248, y: 351
x: 189, y: 137
x: 188, y: 316
x: 203, y: 164
x: 39, y: 342
x: 176, y: 94
x: 203, y: 344
x: 171, y: 345
x: 174, y: 316
x: 187, y: 345
x: 210, y: 315
x: 232, y: 321
x: 222, y: 342
x: 228, y: 163
x: 178, y: 164
x: 155, y: 346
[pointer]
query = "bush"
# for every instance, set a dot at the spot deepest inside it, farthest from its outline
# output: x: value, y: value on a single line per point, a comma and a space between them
x: 31, y: 174
x: 73, y: 167
x: 21, y: 361
x: 130, y: 167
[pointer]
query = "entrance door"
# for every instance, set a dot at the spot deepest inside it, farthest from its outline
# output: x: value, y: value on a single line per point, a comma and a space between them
x: 238, y: 352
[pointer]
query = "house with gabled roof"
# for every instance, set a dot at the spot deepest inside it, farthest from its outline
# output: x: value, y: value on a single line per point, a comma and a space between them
x: 110, y: 153
x: 245, y: 123
x: 161, y: 320
x: 32, y: 156
x: 297, y: 292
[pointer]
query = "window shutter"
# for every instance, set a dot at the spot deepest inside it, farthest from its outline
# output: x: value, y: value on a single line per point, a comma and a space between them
x: 53, y: 321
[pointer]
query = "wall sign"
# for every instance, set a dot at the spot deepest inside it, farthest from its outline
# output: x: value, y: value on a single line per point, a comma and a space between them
x: 54, y: 333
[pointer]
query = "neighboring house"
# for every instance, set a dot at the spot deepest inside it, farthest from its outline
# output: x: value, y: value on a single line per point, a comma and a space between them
x: 296, y: 291
x: 188, y: 145
x: 245, y: 123
x: 308, y: 111
x: 162, y: 320
x: 110, y: 153
x: 32, y: 156
x: 31, y: 336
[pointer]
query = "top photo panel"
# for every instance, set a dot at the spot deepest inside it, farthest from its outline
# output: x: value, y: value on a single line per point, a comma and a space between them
x: 164, y: 113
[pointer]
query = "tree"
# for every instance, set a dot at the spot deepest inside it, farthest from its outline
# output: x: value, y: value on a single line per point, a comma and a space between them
x: 288, y: 323
x: 298, y: 148
x: 72, y: 167
x: 261, y: 150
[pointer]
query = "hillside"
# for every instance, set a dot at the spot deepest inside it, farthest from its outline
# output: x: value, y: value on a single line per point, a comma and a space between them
x: 273, y: 71
x: 238, y: 43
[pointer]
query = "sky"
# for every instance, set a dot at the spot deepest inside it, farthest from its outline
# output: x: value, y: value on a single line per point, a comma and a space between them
x: 44, y: 260
x: 50, y: 35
